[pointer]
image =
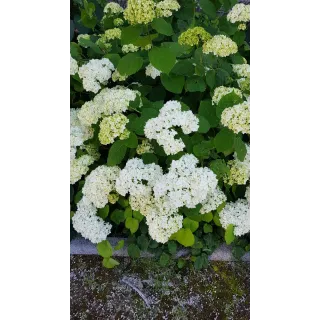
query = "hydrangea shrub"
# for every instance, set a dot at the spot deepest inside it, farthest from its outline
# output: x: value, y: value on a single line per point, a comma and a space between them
x: 160, y: 126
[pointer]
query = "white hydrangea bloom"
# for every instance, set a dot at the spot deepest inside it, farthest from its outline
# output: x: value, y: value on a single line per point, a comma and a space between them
x: 171, y: 115
x: 161, y: 227
x: 241, y: 70
x: 242, y: 26
x: 113, y: 7
x: 111, y: 127
x: 73, y: 151
x: 239, y: 13
x: 79, y: 167
x: 247, y: 194
x: 220, y: 45
x: 99, y: 184
x: 238, y: 214
x: 239, y: 170
x: 143, y: 203
x: 73, y: 66
x: 78, y: 132
x: 213, y: 200
x: 164, y: 8
x: 184, y: 184
x: 129, y: 48
x: 144, y: 147
x: 88, y: 224
x: 94, y: 73
x: 222, y: 91
x: 237, y: 118
x: 116, y: 76
x: 112, y: 34
x: 152, y: 72
x: 107, y: 102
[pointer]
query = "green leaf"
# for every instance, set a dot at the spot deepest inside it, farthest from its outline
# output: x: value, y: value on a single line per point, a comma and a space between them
x: 195, y: 84
x: 162, y: 58
x: 132, y: 141
x: 128, y: 213
x: 88, y: 21
x: 143, y: 242
x: 133, y: 251
x: 162, y: 26
x: 181, y: 263
x: 207, y: 228
x: 198, y: 263
x: 129, y: 64
x: 208, y: 111
x: 149, y: 158
x: 185, y: 237
x: 75, y: 51
x: 216, y: 219
x: 110, y: 263
x: 114, y: 58
x: 138, y: 215
x: 207, y: 217
x: 193, y: 213
x: 130, y: 34
x: 204, y: 125
x: 116, y: 153
x: 172, y: 83
x: 104, y: 248
x: 103, y: 213
x: 117, y: 216
x: 239, y: 38
x: 183, y: 68
x: 240, y: 148
x: 221, y: 77
x: 144, y: 41
x: 119, y: 245
x: 132, y: 224
x: 164, y: 259
x: 224, y: 140
x: 78, y: 197
x: 191, y: 224
x: 202, y: 150
x: 227, y: 101
x: 208, y: 8
x: 211, y: 78
x: 219, y: 167
x: 172, y: 247
x: 229, y: 235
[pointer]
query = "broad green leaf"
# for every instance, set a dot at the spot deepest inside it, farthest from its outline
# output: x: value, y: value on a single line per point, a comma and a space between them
x: 240, y: 148
x: 185, y: 237
x: 132, y: 141
x: 87, y: 21
x: 116, y: 153
x: 130, y: 34
x: 221, y: 77
x: 143, y: 242
x: 110, y: 263
x: 78, y: 197
x: 132, y: 224
x: 181, y: 263
x: 117, y: 216
x: 164, y: 259
x: 202, y: 150
x: 162, y: 58
x: 219, y: 167
x: 103, y: 212
x: 239, y: 37
x: 204, y: 125
x: 207, y: 228
x: 127, y: 213
x: 172, y: 247
x: 119, y: 245
x: 129, y: 64
x: 104, y: 248
x: 193, y: 213
x: 138, y: 215
x: 207, y: 217
x: 149, y: 158
x: 216, y: 219
x: 195, y: 83
x: 208, y: 7
x: 133, y: 251
x: 183, y: 68
x: 208, y: 111
x: 114, y: 58
x: 146, y: 40
x: 211, y: 78
x: 172, y: 83
x: 224, y: 140
x: 162, y: 26
x: 191, y: 224
x: 229, y: 100
x: 75, y: 51
x: 198, y: 263
x: 229, y: 235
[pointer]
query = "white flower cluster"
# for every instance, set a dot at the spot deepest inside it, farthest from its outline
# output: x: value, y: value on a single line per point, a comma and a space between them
x: 238, y: 214
x: 214, y: 198
x: 112, y: 127
x: 152, y: 72
x: 94, y: 73
x: 78, y: 132
x: 116, y: 76
x: 88, y: 224
x: 237, y: 118
x: 222, y: 91
x: 239, y: 170
x: 79, y: 166
x: 184, y: 184
x: 118, y: 22
x: 239, y: 13
x: 129, y: 48
x: 161, y: 227
x: 247, y: 194
x: 220, y: 45
x: 241, y: 70
x: 144, y: 147
x: 73, y: 66
x: 113, y: 8
x: 99, y: 184
x: 171, y: 115
x: 164, y: 8
x: 111, y: 34
x: 106, y: 102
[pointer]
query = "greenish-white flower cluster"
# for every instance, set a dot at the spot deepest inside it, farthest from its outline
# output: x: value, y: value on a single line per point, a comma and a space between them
x: 222, y: 91
x: 129, y: 48
x: 118, y: 22
x: 79, y: 167
x: 220, y: 45
x: 139, y: 11
x: 113, y: 8
x: 164, y: 8
x: 112, y: 34
x: 239, y: 13
x: 73, y: 66
x: 241, y: 70
x: 144, y: 147
x: 116, y: 76
x: 193, y: 36
x: 152, y: 72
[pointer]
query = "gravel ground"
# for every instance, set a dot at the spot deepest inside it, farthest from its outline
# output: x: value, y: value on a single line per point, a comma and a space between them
x: 141, y: 289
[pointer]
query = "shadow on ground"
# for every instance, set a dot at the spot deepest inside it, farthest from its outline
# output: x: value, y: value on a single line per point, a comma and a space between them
x: 152, y: 292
